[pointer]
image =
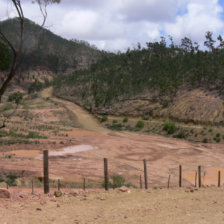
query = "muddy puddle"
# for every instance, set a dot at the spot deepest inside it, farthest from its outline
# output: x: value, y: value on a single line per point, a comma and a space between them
x: 70, y: 150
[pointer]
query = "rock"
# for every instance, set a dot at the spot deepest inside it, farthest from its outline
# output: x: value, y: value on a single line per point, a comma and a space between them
x: 57, y: 194
x: 38, y: 209
x: 58, y: 206
x: 123, y: 189
x: 74, y: 193
x: 192, y: 191
x: 4, y: 193
x: 83, y: 199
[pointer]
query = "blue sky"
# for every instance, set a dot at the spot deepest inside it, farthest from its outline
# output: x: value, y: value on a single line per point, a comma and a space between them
x: 118, y: 24
x: 221, y: 2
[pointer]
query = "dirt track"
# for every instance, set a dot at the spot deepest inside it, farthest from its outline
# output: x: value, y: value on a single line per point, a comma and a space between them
x: 125, y: 152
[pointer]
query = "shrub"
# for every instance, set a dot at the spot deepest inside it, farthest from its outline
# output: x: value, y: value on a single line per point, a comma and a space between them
x: 146, y: 118
x: 140, y: 124
x: 170, y: 127
x: 182, y: 134
x: 217, y: 139
x: 104, y: 118
x: 116, y: 126
x: 117, y: 180
x: 205, y: 140
x: 11, y: 179
x: 6, y: 107
x: 125, y: 120
x: 33, y: 134
x: 115, y: 121
x: 15, y: 97
x: 165, y: 103
x: 1, y: 178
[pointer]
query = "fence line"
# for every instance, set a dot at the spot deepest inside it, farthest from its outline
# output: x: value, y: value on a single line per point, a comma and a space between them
x: 47, y: 183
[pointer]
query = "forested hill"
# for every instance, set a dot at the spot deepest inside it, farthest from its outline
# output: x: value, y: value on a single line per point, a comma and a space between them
x: 43, y: 49
x: 160, y: 75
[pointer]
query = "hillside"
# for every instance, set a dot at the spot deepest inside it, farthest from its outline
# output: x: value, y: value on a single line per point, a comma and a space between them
x: 45, y: 50
x: 182, y: 83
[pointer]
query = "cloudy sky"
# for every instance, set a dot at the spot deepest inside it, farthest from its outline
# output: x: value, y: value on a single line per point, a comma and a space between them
x: 118, y: 24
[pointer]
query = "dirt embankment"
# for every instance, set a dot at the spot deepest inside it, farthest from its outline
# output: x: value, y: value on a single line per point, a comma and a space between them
x: 199, y: 106
x: 176, y: 206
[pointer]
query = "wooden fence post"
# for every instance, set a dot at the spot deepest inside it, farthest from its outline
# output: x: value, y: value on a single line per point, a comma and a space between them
x: 84, y: 184
x: 145, y: 174
x: 199, y: 176
x: 180, y: 176
x: 196, y: 173
x: 59, y: 185
x: 219, y: 178
x: 140, y: 181
x: 46, y: 172
x: 106, y: 177
x: 32, y: 188
x: 168, y: 184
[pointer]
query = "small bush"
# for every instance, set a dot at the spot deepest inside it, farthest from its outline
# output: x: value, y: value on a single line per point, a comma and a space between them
x: 182, y: 134
x: 33, y: 134
x: 104, y: 118
x: 205, y: 140
x: 1, y: 178
x: 125, y: 120
x: 140, y: 124
x: 165, y: 103
x: 6, y: 107
x: 115, y: 121
x: 116, y: 126
x: 11, y: 179
x: 170, y: 127
x: 15, y: 97
x: 217, y: 139
x: 145, y: 118
x: 117, y: 180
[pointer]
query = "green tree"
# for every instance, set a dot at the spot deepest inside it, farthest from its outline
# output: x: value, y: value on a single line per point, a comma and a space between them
x: 4, y: 57
x: 209, y: 42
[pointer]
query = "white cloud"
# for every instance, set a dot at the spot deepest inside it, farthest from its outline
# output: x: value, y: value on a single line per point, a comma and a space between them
x: 118, y: 24
x: 201, y: 16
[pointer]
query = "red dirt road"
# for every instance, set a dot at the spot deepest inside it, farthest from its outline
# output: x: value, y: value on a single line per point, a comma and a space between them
x: 125, y: 152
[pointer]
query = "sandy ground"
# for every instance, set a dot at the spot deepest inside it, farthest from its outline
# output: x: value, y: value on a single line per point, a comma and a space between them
x: 125, y: 152
x: 161, y: 206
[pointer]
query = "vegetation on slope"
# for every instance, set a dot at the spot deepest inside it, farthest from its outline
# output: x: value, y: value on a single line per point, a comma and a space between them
x: 43, y: 49
x: 4, y: 57
x: 158, y: 70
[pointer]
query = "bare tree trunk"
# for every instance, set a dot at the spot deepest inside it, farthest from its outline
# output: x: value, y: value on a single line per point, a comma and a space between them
x: 16, y: 53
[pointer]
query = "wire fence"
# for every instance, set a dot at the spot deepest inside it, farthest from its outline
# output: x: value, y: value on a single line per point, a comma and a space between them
x: 110, y: 180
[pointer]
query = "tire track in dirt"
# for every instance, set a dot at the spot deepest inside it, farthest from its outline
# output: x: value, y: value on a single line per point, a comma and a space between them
x: 84, y: 119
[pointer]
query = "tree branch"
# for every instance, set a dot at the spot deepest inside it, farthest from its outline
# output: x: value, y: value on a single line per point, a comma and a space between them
x: 16, y: 53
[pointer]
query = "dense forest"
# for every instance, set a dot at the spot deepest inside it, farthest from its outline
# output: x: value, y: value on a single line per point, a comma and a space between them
x: 4, y: 57
x: 159, y: 68
x: 45, y: 50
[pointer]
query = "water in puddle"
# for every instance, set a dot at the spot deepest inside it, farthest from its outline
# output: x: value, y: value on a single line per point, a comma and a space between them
x: 69, y: 150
